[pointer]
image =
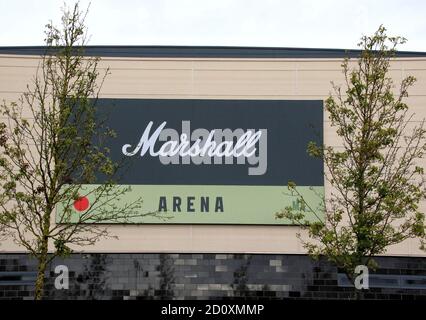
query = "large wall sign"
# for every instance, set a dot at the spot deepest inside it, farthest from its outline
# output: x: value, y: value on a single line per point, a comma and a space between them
x: 216, y: 161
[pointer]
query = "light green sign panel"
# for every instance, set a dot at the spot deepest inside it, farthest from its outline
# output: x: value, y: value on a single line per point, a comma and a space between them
x: 212, y: 204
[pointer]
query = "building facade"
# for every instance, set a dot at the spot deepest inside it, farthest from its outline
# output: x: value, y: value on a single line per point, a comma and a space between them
x: 229, y: 257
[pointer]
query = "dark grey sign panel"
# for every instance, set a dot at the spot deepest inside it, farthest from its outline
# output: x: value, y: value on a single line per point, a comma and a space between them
x: 264, y: 141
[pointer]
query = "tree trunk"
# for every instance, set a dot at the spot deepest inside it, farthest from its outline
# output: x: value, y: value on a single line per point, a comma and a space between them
x: 358, y: 294
x: 42, y: 264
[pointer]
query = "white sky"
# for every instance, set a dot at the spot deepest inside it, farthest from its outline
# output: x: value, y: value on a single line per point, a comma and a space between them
x: 276, y: 23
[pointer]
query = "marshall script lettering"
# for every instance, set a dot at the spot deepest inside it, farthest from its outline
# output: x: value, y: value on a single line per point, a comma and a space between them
x: 218, y: 146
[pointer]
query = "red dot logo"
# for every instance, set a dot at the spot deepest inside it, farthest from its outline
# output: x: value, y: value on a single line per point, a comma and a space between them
x: 81, y: 204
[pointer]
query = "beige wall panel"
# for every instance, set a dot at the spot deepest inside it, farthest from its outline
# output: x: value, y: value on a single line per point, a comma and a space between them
x: 304, y: 83
x: 9, y: 96
x: 242, y: 65
x: 334, y: 65
x: 128, y: 64
x: 281, y: 64
x: 14, y: 79
x: 417, y: 102
x: 216, y: 79
x: 420, y: 86
x: 207, y: 96
x: 332, y: 139
x: 417, y: 106
x: 14, y: 98
x: 148, y: 238
x: 196, y: 238
x: 318, y: 82
x: 405, y: 247
x: 148, y: 81
x: 18, y: 61
x: 243, y: 82
x: 241, y: 239
x: 214, y: 63
x: 112, y: 63
x: 413, y: 64
x: 253, y: 238
x: 245, y: 65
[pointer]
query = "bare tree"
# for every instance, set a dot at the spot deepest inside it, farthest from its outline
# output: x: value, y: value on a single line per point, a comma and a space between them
x: 376, y: 179
x: 53, y: 152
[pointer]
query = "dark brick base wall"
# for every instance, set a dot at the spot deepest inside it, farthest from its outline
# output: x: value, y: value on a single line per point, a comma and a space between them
x: 207, y: 276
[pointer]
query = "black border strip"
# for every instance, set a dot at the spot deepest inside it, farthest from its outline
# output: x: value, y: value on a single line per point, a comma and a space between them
x: 204, y: 52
